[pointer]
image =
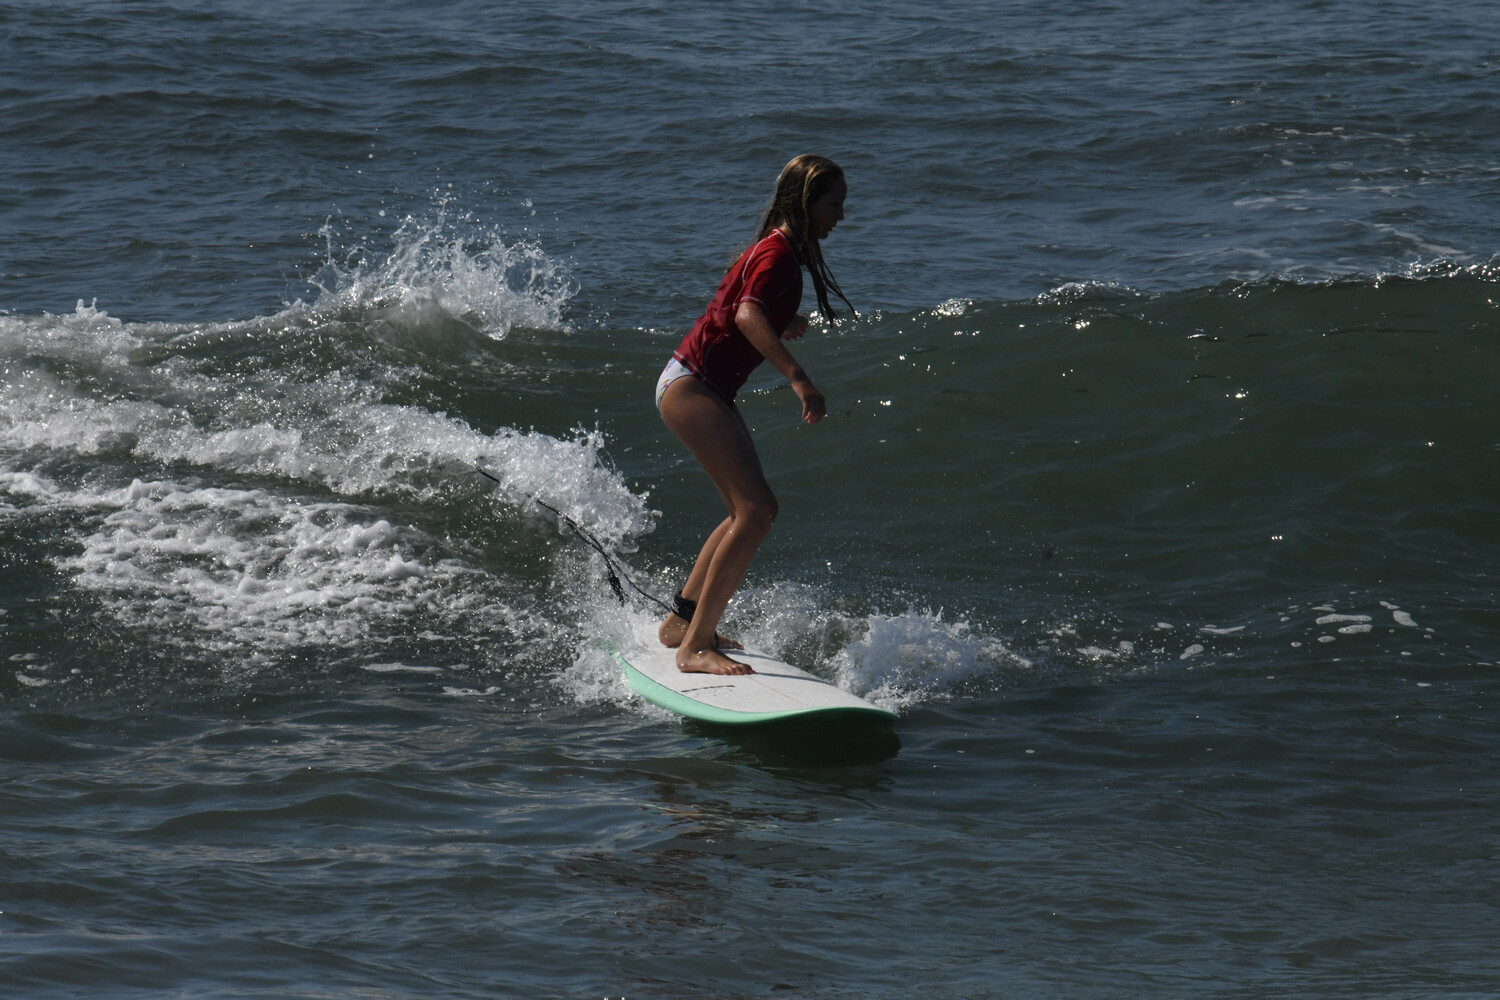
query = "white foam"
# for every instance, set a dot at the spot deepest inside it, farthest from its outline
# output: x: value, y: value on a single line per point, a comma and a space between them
x: 571, y: 476
x: 333, y: 432
x: 200, y: 560
x: 79, y: 333
x: 1080, y: 291
x: 246, y: 570
x: 952, y: 307
x: 893, y: 660
x: 330, y: 428
x: 26, y: 484
x: 446, y: 265
x: 594, y: 678
x: 911, y: 657
x: 1331, y: 619
x: 399, y: 668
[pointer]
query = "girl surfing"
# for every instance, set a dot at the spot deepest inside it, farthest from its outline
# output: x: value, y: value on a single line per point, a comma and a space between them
x: 754, y: 310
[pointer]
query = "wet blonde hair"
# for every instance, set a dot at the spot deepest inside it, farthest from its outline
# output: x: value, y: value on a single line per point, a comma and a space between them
x: 803, y: 181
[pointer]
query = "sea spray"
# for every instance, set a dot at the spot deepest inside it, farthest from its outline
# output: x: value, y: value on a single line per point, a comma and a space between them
x: 446, y: 263
x: 915, y: 656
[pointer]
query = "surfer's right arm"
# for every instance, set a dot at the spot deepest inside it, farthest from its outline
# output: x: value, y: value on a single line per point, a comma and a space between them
x: 753, y: 323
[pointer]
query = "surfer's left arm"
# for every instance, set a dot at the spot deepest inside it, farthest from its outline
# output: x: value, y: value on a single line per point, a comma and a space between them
x: 756, y: 326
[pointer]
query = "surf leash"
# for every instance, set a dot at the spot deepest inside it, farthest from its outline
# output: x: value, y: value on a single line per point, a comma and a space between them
x: 609, y: 565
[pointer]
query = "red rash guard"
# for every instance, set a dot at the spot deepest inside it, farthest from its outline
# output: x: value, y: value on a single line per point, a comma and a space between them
x: 716, y: 351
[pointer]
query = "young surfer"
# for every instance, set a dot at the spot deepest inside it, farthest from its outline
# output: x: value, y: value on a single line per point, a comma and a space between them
x: 754, y: 309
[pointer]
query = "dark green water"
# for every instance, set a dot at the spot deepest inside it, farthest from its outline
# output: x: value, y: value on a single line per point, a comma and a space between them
x: 1158, y: 495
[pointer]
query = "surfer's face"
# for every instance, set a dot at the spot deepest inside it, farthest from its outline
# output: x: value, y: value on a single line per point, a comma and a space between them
x: 828, y: 209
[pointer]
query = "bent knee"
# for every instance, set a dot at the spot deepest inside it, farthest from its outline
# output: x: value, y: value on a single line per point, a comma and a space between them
x: 758, y: 513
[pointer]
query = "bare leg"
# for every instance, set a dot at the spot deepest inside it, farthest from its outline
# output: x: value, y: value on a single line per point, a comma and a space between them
x: 674, y: 627
x: 719, y: 440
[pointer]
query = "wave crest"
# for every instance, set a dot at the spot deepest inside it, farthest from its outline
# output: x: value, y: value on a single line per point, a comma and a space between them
x: 449, y: 265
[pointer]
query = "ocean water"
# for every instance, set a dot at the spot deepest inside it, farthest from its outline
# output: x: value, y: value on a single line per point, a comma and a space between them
x: 1158, y: 495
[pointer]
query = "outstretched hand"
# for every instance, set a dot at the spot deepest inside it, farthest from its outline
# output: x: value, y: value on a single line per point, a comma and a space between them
x: 814, y: 406
x: 752, y: 322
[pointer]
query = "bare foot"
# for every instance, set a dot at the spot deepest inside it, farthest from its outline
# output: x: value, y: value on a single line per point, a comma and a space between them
x: 710, y: 661
x: 674, y: 628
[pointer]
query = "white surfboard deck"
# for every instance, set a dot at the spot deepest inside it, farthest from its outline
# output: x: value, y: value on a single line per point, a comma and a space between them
x: 776, y: 692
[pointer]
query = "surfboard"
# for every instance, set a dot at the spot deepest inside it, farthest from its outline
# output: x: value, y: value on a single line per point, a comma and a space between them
x: 776, y: 692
